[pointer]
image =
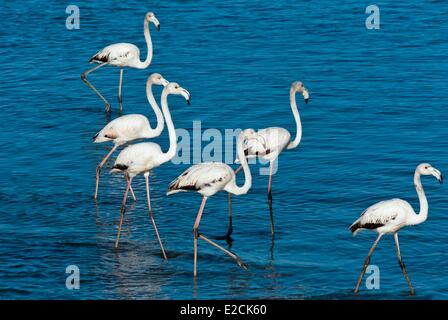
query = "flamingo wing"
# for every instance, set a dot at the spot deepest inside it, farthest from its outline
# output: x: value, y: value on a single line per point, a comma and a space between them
x: 119, y: 54
x: 125, y: 128
x: 384, y: 213
x: 209, y: 176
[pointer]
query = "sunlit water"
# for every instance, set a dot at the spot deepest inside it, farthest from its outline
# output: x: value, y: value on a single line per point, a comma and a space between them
x: 377, y: 109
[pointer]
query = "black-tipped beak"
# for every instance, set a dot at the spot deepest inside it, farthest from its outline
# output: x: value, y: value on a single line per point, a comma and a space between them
x: 188, y: 102
x: 441, y: 179
x: 306, y: 101
x: 158, y: 27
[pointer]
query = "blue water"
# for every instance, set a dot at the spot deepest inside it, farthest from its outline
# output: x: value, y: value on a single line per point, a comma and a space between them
x: 377, y: 109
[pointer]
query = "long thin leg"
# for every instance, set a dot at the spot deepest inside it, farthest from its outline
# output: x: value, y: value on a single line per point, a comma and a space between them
x: 84, y: 78
x: 98, y: 169
x: 403, y: 268
x: 231, y: 254
x: 130, y: 187
x: 196, y: 234
x: 271, y: 212
x: 230, y: 225
x: 366, y: 263
x: 122, y: 211
x: 152, y: 216
x: 119, y: 89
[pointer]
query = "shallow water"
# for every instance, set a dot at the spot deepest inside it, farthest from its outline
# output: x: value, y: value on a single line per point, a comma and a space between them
x: 377, y: 109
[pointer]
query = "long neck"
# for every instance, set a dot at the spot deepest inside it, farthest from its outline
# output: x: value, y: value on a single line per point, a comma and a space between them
x: 233, y: 188
x: 423, y: 215
x: 147, y: 62
x: 295, y: 112
x: 155, y: 107
x: 171, y: 130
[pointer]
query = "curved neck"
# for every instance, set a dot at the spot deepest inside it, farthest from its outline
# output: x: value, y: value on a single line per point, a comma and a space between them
x: 171, y: 130
x: 233, y: 188
x: 155, y: 107
x: 295, y: 112
x: 147, y: 62
x: 423, y: 215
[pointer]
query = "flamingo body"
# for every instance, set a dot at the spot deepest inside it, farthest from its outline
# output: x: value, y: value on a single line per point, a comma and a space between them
x: 206, y: 178
x: 268, y: 143
x: 124, y: 129
x: 139, y: 158
x: 387, y: 216
x: 119, y: 55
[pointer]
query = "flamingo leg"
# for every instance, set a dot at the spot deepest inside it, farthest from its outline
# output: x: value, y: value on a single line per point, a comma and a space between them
x: 98, y: 169
x: 152, y: 216
x: 403, y: 268
x: 130, y: 187
x: 119, y: 89
x: 230, y: 225
x: 84, y: 78
x: 122, y: 211
x: 196, y: 234
x: 366, y: 263
x: 271, y: 212
x: 229, y: 253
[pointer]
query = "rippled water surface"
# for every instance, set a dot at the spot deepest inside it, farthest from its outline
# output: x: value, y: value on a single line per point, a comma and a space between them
x: 378, y: 107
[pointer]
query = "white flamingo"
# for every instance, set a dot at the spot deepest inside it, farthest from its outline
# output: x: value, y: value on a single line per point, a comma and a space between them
x: 388, y: 217
x: 270, y: 142
x: 143, y: 157
x: 131, y: 127
x: 123, y: 55
x: 210, y: 178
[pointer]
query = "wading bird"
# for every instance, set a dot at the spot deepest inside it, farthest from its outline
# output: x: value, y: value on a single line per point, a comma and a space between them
x: 388, y: 217
x: 122, y: 55
x: 208, y: 179
x: 143, y: 157
x: 131, y: 127
x: 270, y: 142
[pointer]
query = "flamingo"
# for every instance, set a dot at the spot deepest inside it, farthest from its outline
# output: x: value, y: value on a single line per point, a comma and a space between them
x: 388, y: 217
x: 209, y: 178
x: 131, y: 127
x: 268, y: 143
x: 143, y: 157
x: 122, y: 55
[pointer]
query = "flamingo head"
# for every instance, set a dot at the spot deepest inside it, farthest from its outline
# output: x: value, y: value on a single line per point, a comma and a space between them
x: 297, y: 86
x: 175, y: 88
x: 157, y: 79
x: 427, y: 170
x: 150, y: 17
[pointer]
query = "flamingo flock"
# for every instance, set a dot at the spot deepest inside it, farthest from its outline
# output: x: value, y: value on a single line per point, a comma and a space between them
x: 207, y: 179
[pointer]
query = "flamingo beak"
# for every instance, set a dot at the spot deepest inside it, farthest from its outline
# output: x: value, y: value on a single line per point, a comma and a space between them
x: 158, y: 27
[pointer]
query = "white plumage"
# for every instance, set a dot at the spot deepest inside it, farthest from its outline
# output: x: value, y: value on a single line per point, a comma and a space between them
x: 385, y: 217
x: 388, y: 217
x: 119, y: 55
x: 205, y: 178
x: 122, y: 55
x: 139, y: 158
x: 131, y: 127
x: 268, y: 143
